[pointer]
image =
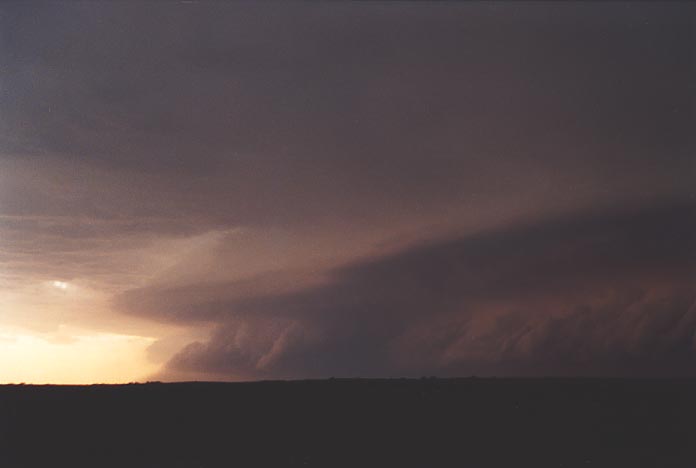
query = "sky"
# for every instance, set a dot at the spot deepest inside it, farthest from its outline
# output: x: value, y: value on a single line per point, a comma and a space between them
x: 244, y: 191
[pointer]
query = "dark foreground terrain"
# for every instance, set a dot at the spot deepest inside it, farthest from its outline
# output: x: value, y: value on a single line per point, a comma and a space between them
x: 353, y: 423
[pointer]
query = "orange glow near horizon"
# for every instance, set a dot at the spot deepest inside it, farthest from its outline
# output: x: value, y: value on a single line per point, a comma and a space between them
x: 73, y: 356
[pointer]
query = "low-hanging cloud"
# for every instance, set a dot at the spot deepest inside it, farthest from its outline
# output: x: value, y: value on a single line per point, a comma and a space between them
x: 595, y: 294
x: 353, y: 188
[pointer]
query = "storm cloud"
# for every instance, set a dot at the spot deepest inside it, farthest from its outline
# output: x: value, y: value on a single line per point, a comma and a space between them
x: 607, y: 293
x: 313, y: 189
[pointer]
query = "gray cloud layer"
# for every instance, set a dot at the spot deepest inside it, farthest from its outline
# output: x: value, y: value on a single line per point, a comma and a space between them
x: 249, y: 150
x: 609, y: 293
x: 283, y: 114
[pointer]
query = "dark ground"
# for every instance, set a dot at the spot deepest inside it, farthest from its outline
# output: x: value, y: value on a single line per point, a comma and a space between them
x: 353, y: 423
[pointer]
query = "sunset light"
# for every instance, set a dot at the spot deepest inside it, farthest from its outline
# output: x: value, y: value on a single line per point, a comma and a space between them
x: 72, y: 356
x: 338, y: 234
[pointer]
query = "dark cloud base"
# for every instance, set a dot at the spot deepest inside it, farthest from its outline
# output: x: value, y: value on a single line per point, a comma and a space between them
x: 596, y: 294
x: 284, y: 140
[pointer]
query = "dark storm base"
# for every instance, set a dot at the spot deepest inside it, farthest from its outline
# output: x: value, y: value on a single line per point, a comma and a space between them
x: 474, y: 423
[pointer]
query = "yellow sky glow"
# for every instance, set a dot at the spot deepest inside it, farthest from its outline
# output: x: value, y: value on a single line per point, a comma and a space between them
x: 73, y: 356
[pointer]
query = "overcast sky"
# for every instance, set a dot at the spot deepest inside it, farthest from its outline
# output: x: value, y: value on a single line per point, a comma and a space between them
x: 229, y: 191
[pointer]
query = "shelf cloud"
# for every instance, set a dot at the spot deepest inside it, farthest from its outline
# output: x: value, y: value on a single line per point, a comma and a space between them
x: 317, y: 189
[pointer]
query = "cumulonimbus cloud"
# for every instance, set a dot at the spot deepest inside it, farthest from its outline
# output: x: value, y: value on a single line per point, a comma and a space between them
x: 608, y: 293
